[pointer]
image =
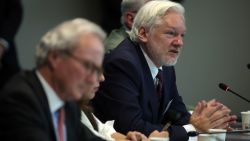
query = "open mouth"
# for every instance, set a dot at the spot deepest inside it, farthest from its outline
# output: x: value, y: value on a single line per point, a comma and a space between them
x: 174, y: 51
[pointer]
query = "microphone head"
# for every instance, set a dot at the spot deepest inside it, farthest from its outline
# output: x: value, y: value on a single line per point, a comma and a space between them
x: 223, y: 86
x: 248, y: 66
x: 227, y: 89
x: 173, y: 115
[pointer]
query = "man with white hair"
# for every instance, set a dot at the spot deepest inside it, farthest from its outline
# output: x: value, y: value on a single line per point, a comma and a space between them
x: 140, y: 90
x: 40, y: 105
x: 129, y: 9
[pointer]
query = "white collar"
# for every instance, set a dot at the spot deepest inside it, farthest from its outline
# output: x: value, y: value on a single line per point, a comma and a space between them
x: 153, y: 69
x: 55, y: 102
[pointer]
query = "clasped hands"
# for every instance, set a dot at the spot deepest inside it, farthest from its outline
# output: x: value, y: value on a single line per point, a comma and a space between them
x: 211, y: 114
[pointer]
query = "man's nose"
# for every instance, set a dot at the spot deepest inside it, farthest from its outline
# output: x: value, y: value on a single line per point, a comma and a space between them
x: 178, y: 41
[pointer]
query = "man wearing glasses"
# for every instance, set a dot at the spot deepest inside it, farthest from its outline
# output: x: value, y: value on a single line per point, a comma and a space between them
x: 39, y: 105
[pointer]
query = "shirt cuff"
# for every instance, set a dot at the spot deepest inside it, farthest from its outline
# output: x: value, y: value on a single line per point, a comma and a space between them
x: 189, y: 127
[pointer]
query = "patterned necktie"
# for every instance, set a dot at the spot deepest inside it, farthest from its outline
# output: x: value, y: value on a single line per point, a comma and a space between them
x: 159, y: 83
x: 60, y: 124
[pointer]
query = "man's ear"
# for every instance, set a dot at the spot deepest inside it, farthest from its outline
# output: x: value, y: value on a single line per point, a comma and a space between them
x: 142, y: 34
x: 53, y: 59
x: 129, y: 19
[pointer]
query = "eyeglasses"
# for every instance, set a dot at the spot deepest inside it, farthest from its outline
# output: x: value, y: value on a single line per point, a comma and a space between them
x: 90, y: 67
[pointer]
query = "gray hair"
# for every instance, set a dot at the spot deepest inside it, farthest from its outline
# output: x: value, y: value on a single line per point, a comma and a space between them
x: 64, y: 37
x: 130, y: 6
x: 150, y: 15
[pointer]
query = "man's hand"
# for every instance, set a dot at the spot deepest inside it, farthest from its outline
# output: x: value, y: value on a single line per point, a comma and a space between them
x: 204, y: 117
x: 212, y: 114
x: 231, y: 118
x: 156, y: 133
x: 136, y: 136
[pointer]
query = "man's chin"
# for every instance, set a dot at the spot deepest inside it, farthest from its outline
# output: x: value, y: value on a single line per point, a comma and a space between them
x: 170, y: 62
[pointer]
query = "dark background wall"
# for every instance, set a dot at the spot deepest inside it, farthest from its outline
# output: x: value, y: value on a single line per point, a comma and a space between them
x: 216, y: 44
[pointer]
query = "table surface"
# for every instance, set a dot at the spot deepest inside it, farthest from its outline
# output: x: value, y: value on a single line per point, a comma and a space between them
x: 238, y: 137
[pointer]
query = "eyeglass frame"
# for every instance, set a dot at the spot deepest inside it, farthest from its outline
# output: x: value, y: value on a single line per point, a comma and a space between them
x: 90, y: 67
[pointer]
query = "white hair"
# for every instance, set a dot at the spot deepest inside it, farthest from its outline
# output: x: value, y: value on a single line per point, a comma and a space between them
x: 130, y: 6
x: 150, y: 15
x: 64, y: 36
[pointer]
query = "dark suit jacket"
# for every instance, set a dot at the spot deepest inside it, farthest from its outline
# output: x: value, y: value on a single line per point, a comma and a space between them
x: 10, y: 20
x: 25, y: 113
x: 128, y: 94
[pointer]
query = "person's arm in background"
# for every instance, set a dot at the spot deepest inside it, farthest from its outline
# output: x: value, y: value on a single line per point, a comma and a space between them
x: 10, y: 19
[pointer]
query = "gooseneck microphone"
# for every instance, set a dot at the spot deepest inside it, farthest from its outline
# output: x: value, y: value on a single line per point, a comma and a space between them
x: 195, y: 133
x: 227, y: 89
x: 173, y: 116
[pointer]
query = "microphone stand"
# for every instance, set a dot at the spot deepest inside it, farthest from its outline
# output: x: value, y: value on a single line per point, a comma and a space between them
x: 173, y: 116
x: 239, y: 96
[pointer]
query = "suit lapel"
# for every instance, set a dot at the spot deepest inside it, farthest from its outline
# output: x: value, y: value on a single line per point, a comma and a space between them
x: 71, y: 111
x: 39, y: 91
x: 150, y: 92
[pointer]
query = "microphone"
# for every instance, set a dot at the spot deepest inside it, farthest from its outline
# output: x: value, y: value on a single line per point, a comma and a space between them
x: 248, y: 66
x: 226, y: 88
x: 172, y: 116
x: 195, y: 133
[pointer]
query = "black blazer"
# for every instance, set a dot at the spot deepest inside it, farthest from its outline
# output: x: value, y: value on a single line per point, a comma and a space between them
x: 129, y: 97
x: 11, y: 13
x: 25, y: 113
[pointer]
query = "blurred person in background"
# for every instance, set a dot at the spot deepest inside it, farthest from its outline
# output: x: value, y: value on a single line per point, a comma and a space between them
x: 41, y: 104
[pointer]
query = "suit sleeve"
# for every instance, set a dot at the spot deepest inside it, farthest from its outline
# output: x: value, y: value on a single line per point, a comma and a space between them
x: 177, y: 131
x: 177, y: 104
